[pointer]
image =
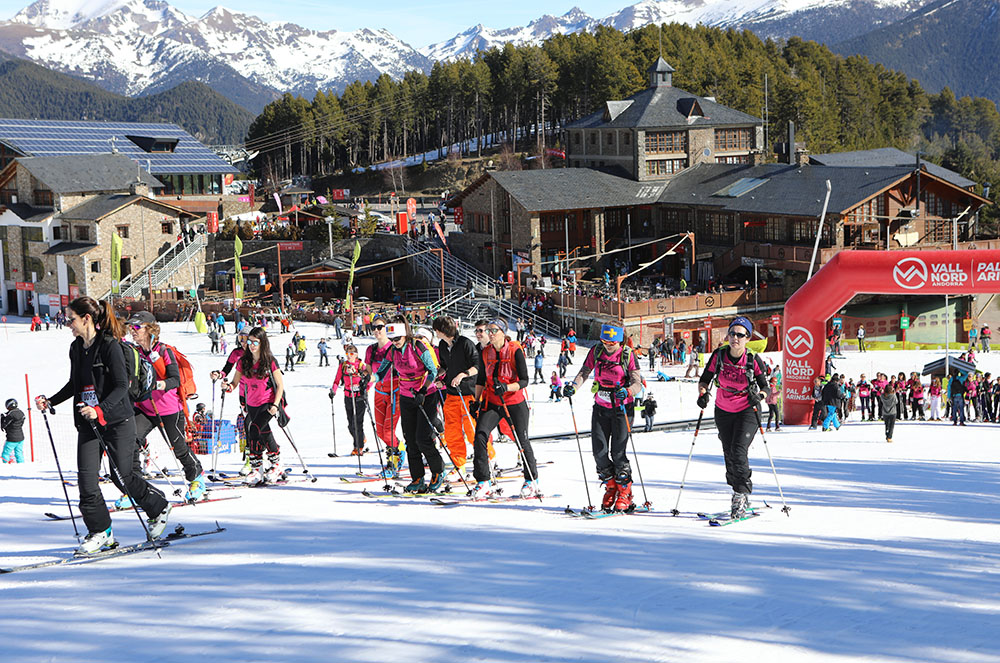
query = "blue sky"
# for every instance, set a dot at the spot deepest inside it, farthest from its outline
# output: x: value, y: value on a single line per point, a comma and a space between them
x: 417, y: 23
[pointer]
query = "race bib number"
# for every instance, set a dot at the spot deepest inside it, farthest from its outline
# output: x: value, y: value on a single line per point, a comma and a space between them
x: 89, y: 396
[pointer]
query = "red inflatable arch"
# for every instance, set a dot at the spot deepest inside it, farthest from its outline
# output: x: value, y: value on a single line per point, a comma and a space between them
x: 868, y: 272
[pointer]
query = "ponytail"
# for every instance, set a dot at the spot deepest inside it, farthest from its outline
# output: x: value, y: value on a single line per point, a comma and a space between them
x: 101, y: 313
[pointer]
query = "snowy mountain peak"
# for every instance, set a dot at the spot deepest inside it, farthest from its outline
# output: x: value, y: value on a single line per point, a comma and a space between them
x: 65, y: 14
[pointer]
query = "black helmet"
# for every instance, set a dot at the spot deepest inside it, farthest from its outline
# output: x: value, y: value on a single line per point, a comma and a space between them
x: 199, y: 407
x: 10, y: 404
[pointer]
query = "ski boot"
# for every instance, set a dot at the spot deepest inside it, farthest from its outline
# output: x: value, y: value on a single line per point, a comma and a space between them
x: 416, y: 486
x: 256, y: 474
x: 245, y: 470
x: 740, y: 504
x: 123, y: 502
x: 96, y: 542
x: 623, y: 498
x: 394, y: 460
x: 196, y: 489
x: 273, y: 474
x: 530, y: 490
x: 482, y: 491
x: 158, y: 524
x: 610, y: 494
x: 437, y: 481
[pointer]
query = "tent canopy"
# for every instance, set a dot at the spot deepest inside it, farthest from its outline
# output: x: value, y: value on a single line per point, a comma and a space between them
x: 936, y: 367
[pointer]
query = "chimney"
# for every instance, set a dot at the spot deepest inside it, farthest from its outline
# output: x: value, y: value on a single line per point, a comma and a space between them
x: 791, y: 143
x: 139, y: 188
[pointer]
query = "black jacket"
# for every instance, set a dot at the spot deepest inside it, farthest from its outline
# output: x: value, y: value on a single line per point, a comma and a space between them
x: 13, y: 423
x: 103, y: 366
x: 831, y: 393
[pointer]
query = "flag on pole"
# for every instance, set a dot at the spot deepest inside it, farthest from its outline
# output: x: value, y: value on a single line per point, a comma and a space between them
x: 116, y: 263
x: 350, y: 278
x: 238, y: 278
x: 277, y: 199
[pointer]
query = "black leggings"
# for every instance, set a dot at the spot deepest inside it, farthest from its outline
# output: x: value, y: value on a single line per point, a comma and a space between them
x: 259, y: 436
x: 736, y: 432
x: 772, y: 413
x: 173, y: 427
x: 489, y: 419
x: 609, y: 440
x: 120, y: 441
x: 890, y: 424
x: 354, y: 406
x: 419, y: 435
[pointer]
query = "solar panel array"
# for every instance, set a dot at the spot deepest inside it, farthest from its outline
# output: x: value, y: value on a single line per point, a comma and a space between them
x: 63, y: 137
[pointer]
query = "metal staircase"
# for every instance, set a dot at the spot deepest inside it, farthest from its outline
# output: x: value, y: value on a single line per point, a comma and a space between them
x: 457, y: 273
x: 160, y: 270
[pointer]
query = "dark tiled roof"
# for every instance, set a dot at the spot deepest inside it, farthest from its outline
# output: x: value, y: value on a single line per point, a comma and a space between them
x: 789, y: 190
x: 888, y: 156
x: 29, y: 213
x: 69, y: 249
x: 666, y: 107
x: 87, y: 173
x: 574, y: 188
x: 99, y: 207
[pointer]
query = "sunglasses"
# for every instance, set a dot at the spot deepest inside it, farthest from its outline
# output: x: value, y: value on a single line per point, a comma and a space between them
x: 135, y: 327
x: 378, y: 327
x: 480, y: 331
x: 736, y: 334
x: 254, y: 343
x: 495, y: 330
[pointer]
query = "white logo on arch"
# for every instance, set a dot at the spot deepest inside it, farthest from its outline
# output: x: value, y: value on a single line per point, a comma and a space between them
x: 798, y: 342
x: 910, y: 273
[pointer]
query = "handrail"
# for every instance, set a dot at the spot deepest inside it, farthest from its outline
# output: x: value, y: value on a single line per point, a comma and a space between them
x: 172, y: 260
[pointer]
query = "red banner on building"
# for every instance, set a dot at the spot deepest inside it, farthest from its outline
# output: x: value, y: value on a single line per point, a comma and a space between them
x: 74, y: 291
x: 21, y: 285
x: 340, y: 194
x: 212, y: 222
x: 290, y: 246
x: 459, y: 216
x: 64, y: 300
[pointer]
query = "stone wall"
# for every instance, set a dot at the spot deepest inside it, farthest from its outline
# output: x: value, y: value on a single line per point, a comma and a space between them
x: 700, y: 140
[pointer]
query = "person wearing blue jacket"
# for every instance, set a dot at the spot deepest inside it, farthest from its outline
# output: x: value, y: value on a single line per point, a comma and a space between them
x: 956, y: 396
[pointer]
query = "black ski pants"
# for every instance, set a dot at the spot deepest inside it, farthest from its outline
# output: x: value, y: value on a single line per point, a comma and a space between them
x: 419, y: 435
x: 736, y: 432
x: 890, y: 425
x: 120, y: 441
x: 354, y: 406
x: 489, y: 418
x: 609, y: 441
x: 173, y: 428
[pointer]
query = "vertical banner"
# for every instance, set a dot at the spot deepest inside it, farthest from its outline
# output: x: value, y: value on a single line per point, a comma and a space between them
x: 116, y: 262
x: 350, y: 278
x: 238, y: 278
x: 277, y: 199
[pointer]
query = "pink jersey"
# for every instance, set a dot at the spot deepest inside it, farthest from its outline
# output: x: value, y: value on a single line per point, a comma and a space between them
x: 169, y: 400
x: 258, y: 390
x: 731, y: 376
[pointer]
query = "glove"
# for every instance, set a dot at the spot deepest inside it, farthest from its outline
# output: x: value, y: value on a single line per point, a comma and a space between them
x: 621, y: 393
x: 227, y: 387
x: 569, y: 390
x: 474, y: 409
x: 703, y: 401
x: 753, y: 397
x: 500, y: 389
x: 332, y: 394
x: 418, y: 398
x: 42, y: 403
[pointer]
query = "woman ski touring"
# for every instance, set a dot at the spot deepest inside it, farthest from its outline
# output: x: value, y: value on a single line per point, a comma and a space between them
x: 265, y: 389
x: 354, y: 375
x: 411, y: 359
x: 740, y: 377
x: 98, y: 385
x: 231, y: 361
x: 163, y: 408
x: 616, y: 372
x: 500, y: 396
x: 386, y: 406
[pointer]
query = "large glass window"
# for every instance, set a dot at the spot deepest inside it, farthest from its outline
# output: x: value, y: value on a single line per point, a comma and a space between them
x: 666, y: 142
x: 732, y: 140
x: 665, y: 166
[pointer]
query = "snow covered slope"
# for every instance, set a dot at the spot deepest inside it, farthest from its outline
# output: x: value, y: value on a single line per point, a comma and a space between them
x: 140, y: 46
x: 890, y: 552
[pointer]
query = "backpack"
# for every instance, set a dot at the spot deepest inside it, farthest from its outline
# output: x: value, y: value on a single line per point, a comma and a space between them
x: 140, y: 373
x: 187, y: 389
x: 625, y: 358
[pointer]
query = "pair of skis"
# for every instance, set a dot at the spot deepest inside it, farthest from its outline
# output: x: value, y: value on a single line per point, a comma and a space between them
x: 111, y: 509
x: 119, y: 551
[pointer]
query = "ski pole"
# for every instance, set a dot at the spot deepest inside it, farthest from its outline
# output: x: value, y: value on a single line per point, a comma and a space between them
x: 305, y: 468
x: 217, y: 425
x: 465, y: 406
x: 697, y: 427
x: 785, y: 509
x: 170, y: 448
x: 579, y: 448
x: 378, y: 445
x: 517, y: 441
x: 635, y: 454
x: 45, y: 414
x: 444, y: 445
x: 354, y: 421
x: 113, y: 464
